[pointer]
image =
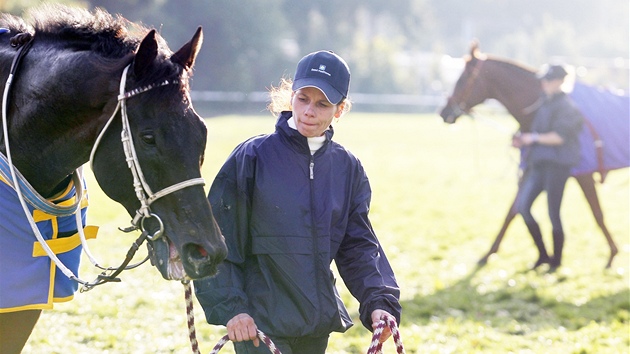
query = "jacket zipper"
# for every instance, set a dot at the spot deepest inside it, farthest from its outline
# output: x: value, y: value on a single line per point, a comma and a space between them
x: 311, y: 167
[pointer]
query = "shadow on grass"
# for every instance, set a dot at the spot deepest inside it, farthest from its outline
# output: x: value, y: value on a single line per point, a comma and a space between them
x: 514, y: 309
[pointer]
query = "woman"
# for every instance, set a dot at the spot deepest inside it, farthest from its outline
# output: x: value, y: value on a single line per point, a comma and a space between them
x: 288, y: 204
x: 553, y: 148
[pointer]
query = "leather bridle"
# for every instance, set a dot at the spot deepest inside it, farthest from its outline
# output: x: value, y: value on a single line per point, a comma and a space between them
x: 461, y: 107
x: 143, y: 192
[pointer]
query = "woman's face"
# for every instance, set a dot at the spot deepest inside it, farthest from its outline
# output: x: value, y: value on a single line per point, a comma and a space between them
x: 312, y: 112
x: 551, y: 87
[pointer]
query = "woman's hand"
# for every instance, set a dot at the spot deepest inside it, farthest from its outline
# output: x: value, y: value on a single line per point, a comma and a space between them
x: 516, y: 140
x: 376, y: 318
x: 528, y: 139
x: 243, y: 328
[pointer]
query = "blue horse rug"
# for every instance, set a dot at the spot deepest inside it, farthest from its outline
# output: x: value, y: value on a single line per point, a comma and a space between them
x: 605, y: 138
x: 28, y: 278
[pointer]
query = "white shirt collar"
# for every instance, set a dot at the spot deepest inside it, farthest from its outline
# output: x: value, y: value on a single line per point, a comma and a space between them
x: 313, y: 143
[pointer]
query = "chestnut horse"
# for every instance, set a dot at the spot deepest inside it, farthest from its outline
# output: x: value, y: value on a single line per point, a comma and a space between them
x: 518, y: 89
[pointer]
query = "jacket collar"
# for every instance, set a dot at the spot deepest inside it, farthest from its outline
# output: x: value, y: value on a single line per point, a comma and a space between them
x: 293, y: 138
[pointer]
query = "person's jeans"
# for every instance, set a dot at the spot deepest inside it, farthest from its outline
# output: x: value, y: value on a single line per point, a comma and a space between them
x: 293, y: 345
x: 551, y: 178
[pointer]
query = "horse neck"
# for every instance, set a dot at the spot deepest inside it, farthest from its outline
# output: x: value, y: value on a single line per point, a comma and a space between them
x: 51, y: 135
x: 515, y: 88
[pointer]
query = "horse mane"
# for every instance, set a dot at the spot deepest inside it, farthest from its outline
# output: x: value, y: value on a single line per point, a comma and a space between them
x: 503, y: 62
x: 109, y: 35
x: 475, y: 53
x: 108, y: 41
x: 14, y: 23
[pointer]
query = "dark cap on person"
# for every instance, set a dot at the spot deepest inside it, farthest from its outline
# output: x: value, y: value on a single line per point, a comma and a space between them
x: 553, y: 72
x: 326, y: 71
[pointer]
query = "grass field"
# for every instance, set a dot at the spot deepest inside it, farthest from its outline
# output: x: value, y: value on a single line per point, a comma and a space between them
x: 439, y: 196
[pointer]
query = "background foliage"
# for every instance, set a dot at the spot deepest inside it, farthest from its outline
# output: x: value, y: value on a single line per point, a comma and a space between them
x: 395, y: 46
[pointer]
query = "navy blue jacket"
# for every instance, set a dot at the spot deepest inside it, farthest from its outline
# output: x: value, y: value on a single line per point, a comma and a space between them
x: 559, y: 114
x: 286, y: 215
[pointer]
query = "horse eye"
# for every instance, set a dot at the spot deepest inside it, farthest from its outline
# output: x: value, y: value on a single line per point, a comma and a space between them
x: 148, y: 138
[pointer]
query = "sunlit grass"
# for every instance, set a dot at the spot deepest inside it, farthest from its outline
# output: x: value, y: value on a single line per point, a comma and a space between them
x: 440, y: 194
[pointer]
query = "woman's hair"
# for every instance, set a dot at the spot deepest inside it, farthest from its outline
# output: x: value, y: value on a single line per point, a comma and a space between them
x: 280, y: 98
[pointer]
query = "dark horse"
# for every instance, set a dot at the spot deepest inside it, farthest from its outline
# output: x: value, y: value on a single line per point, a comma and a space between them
x: 518, y: 89
x: 72, y: 70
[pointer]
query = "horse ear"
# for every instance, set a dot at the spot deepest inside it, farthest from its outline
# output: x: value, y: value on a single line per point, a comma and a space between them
x: 474, y: 48
x: 186, y: 55
x: 146, y: 54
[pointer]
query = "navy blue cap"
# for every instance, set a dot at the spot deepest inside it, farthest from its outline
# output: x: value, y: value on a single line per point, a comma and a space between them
x: 553, y: 72
x: 326, y: 71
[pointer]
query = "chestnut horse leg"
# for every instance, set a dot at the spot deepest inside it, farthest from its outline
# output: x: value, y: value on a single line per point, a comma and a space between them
x: 495, y: 246
x: 587, y: 184
x: 15, y: 328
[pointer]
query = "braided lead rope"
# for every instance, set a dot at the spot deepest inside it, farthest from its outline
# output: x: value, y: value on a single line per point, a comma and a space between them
x: 268, y: 342
x: 375, y: 346
x: 192, y: 334
x: 190, y: 316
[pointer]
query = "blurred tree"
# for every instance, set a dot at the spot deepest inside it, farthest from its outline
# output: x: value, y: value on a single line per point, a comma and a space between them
x: 249, y: 44
x: 242, y: 48
x: 18, y: 7
x: 133, y: 10
x: 242, y: 41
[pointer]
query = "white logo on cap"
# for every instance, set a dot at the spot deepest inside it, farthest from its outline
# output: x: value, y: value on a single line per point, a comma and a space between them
x: 321, y: 69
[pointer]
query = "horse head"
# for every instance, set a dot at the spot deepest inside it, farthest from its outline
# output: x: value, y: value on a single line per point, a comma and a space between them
x: 470, y: 89
x: 169, y: 139
x: 484, y: 77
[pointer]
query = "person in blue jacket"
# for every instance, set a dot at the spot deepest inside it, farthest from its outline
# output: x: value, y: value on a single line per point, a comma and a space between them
x: 553, y: 149
x: 288, y: 204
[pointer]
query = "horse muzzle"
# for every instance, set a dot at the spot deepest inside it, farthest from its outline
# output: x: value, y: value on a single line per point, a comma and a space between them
x: 193, y: 262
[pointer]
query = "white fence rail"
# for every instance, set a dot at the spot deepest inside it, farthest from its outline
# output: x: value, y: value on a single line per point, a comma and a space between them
x: 357, y: 98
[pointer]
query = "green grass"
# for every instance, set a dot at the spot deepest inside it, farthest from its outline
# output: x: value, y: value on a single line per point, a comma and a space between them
x: 440, y: 194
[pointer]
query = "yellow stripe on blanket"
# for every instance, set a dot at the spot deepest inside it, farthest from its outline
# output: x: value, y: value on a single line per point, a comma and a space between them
x: 64, y: 244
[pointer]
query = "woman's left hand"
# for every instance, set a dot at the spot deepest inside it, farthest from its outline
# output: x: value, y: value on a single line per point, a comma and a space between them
x: 376, y: 318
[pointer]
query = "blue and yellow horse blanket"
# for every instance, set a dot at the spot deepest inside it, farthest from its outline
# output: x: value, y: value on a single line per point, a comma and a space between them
x: 28, y: 277
x: 605, y: 137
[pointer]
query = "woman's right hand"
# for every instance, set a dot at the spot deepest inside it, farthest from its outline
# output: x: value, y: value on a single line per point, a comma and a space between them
x: 516, y: 140
x: 243, y: 328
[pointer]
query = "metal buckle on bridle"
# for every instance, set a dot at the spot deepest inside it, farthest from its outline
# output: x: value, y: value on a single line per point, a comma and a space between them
x: 158, y: 233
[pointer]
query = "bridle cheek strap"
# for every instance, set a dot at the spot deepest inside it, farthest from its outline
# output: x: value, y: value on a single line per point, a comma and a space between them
x: 143, y: 192
x: 462, y: 108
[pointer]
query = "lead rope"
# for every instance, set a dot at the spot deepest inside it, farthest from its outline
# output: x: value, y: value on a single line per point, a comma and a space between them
x: 272, y: 347
x: 190, y: 317
x: 192, y: 333
x: 376, y: 347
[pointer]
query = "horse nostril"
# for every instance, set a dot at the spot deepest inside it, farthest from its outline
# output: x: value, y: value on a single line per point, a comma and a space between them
x: 202, y: 251
x: 195, y: 252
